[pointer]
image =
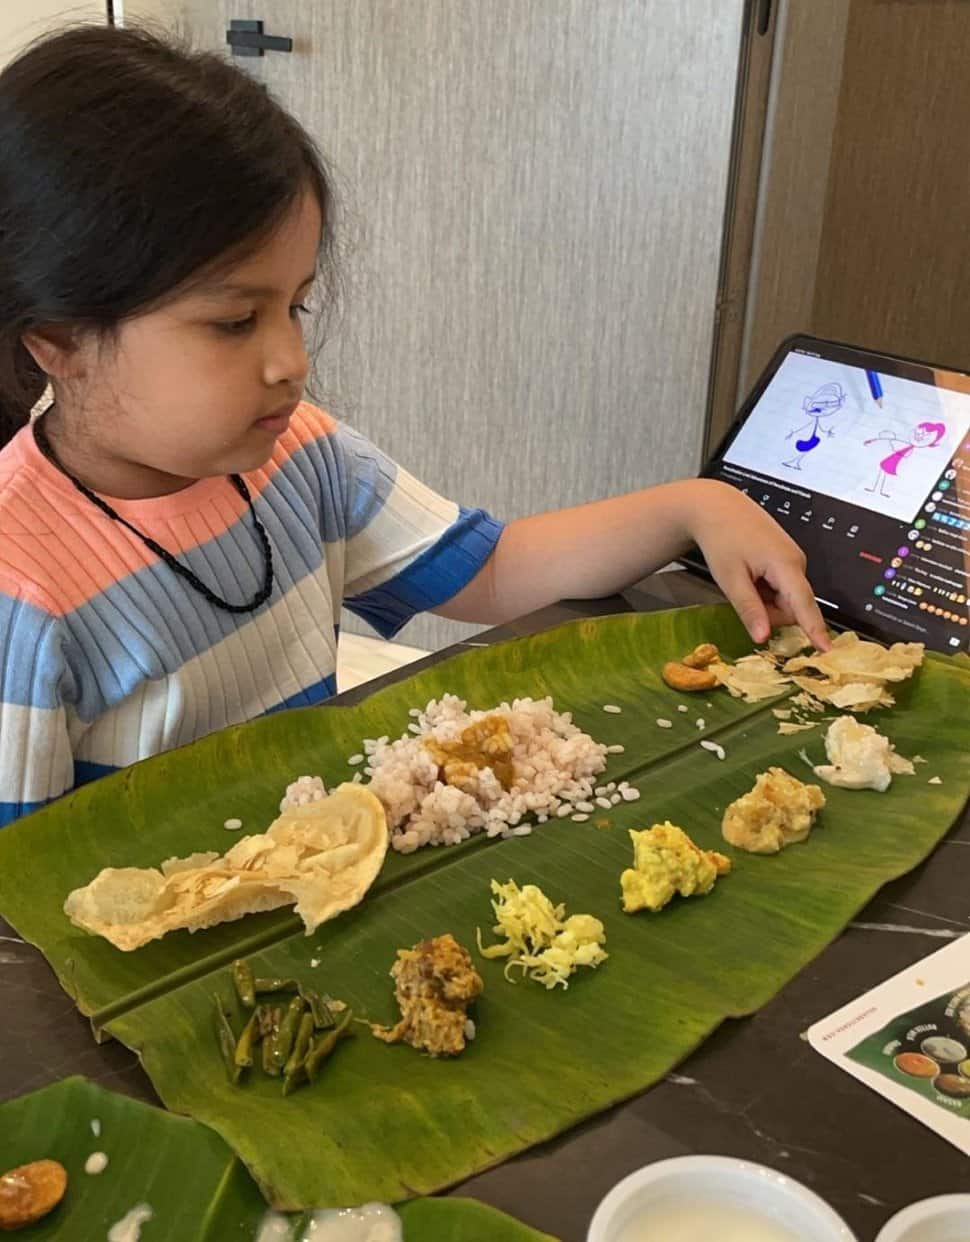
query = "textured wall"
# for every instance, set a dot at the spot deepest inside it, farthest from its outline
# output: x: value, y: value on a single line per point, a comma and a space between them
x: 24, y: 20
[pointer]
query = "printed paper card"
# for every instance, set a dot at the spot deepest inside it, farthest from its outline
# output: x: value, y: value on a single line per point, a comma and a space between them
x: 909, y: 1039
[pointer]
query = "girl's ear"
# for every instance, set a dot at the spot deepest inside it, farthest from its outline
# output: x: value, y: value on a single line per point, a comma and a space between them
x: 56, y: 350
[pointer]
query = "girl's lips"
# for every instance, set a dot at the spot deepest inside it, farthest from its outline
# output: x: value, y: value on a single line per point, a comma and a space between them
x: 279, y: 421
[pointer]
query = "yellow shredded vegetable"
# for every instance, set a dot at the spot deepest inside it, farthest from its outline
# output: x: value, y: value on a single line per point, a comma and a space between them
x: 543, y: 944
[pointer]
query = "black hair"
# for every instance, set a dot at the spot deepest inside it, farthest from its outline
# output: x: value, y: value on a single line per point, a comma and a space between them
x: 129, y: 164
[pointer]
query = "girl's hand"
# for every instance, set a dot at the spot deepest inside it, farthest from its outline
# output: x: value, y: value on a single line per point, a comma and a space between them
x: 759, y: 568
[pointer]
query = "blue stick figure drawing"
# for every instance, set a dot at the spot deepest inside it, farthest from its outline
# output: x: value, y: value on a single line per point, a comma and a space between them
x: 822, y: 404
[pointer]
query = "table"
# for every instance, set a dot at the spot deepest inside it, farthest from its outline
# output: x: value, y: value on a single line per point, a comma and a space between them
x: 755, y: 1089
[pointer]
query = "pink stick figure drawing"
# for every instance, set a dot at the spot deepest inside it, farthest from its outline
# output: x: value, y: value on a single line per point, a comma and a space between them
x: 924, y: 435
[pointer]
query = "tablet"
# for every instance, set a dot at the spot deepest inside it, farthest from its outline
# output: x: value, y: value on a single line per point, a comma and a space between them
x: 864, y: 459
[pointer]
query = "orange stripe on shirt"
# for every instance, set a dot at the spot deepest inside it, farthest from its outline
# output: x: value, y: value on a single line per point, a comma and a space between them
x: 46, y: 522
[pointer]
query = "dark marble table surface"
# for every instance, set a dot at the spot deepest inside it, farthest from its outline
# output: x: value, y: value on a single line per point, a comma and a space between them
x: 755, y: 1089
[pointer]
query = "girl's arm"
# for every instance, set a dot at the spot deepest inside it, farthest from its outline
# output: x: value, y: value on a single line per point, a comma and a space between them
x: 597, y: 549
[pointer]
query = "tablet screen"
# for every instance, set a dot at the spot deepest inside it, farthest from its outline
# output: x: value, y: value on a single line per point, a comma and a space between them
x: 865, y: 460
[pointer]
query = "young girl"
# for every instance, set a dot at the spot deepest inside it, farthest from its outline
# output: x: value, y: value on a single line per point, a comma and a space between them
x: 179, y: 530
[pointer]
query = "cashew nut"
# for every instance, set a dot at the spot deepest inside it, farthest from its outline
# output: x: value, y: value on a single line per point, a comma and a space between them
x: 680, y: 676
x: 702, y: 656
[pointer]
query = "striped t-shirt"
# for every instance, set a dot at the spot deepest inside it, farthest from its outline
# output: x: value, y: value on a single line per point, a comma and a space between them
x: 108, y: 656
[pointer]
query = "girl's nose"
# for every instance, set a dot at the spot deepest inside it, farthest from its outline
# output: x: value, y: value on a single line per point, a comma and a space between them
x: 286, y: 359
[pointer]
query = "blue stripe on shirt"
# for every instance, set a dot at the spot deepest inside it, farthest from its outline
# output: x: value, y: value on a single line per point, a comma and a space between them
x: 32, y: 672
x: 311, y: 696
x: 9, y: 811
x: 372, y: 476
x: 85, y: 771
x: 436, y: 576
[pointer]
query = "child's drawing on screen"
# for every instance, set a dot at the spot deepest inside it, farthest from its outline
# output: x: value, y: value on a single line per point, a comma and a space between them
x: 821, y: 405
x: 925, y: 435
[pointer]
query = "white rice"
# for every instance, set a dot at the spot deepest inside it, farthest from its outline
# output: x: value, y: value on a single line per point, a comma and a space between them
x: 303, y: 791
x: 612, y: 709
x: 664, y: 724
x: 557, y: 764
x: 714, y: 748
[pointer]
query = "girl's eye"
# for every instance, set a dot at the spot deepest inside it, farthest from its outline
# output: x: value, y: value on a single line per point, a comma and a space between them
x: 236, y: 327
x: 239, y: 327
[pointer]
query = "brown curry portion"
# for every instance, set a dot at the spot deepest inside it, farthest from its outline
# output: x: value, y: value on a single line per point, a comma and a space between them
x: 487, y: 743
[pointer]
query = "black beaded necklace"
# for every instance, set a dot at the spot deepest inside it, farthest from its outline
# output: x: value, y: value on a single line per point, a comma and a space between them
x: 176, y: 566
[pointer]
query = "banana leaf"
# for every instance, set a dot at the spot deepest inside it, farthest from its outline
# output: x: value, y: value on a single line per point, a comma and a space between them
x: 195, y: 1186
x: 542, y: 1061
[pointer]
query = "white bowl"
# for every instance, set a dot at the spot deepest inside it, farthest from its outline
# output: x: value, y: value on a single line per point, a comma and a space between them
x: 724, y: 1182
x: 946, y: 1218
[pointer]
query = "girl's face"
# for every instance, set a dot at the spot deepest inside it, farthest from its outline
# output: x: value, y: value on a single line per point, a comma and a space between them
x: 203, y: 385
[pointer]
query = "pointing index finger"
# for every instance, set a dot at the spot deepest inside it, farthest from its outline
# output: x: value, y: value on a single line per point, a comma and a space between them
x: 807, y: 612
